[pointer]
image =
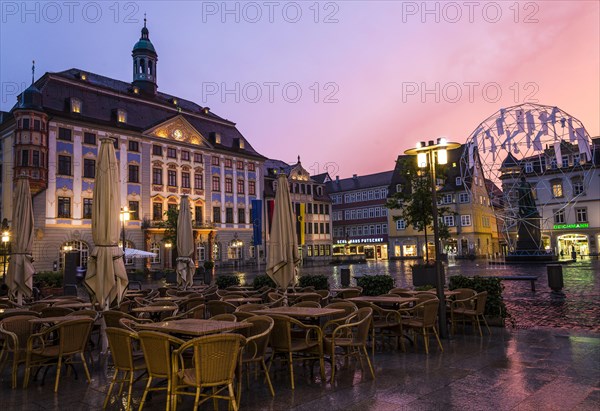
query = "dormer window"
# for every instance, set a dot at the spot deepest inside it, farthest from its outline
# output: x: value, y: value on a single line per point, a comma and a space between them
x: 122, y: 116
x: 136, y: 90
x: 242, y: 144
x: 205, y: 110
x: 174, y: 101
x: 75, y: 105
x: 83, y: 76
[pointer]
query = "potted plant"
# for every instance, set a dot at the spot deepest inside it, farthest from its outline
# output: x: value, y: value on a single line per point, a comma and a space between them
x: 262, y: 280
x: 224, y: 281
x: 49, y: 282
x: 495, y: 309
x: 319, y: 282
x: 375, y: 284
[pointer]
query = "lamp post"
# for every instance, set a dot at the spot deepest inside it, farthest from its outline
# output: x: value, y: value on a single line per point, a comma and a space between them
x: 168, y: 247
x: 5, y: 240
x: 124, y: 219
x: 426, y: 156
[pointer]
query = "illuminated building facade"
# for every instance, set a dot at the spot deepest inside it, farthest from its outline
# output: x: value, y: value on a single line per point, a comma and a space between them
x: 166, y: 147
x: 360, y: 218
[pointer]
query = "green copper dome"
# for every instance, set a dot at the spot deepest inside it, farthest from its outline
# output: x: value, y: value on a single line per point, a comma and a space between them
x: 144, y: 43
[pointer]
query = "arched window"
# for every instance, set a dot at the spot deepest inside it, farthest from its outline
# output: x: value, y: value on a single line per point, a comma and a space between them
x: 71, y: 246
x: 155, y: 248
x: 149, y: 67
x: 201, y: 252
x: 142, y: 66
x: 135, y: 67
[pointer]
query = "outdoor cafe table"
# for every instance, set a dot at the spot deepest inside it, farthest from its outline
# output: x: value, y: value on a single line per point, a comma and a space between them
x: 385, y: 299
x: 75, y: 305
x: 169, y: 298
x: 57, y: 319
x: 5, y: 311
x: 447, y: 293
x: 193, y: 327
x: 243, y: 300
x: 154, y: 310
x: 300, y: 312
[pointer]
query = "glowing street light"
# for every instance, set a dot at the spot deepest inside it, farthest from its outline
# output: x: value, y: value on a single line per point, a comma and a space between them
x: 124, y: 219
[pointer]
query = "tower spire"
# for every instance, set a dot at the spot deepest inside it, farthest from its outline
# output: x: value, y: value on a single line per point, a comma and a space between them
x: 144, y: 19
x: 32, y: 71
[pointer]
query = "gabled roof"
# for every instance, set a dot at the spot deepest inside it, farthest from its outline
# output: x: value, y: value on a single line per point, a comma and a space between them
x: 321, y: 178
x: 356, y: 182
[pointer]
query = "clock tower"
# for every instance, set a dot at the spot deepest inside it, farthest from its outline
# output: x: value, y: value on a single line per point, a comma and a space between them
x: 144, y: 64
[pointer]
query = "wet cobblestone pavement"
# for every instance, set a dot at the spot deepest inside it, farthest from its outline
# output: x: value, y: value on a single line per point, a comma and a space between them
x: 576, y: 308
x: 550, y: 360
x: 509, y: 370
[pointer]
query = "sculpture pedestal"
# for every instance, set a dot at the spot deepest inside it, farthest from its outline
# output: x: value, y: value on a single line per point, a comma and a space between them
x: 529, y: 244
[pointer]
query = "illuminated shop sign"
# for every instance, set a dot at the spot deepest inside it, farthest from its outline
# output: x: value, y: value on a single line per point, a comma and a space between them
x: 361, y: 241
x: 570, y: 226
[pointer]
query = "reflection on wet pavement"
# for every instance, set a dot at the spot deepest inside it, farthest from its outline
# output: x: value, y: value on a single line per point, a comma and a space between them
x: 577, y: 307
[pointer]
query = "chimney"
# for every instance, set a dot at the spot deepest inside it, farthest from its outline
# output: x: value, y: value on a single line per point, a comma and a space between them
x: 355, y: 176
x: 337, y: 179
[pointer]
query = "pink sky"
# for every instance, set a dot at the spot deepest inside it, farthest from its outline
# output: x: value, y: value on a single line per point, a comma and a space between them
x: 372, y: 56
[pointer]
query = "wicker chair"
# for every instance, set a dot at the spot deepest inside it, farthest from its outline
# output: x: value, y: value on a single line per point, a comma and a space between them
x: 385, y: 323
x: 19, y: 312
x: 325, y: 296
x: 351, y: 293
x: 14, y: 332
x: 73, y: 336
x: 157, y: 348
x: 398, y: 290
x: 243, y: 315
x: 121, y: 344
x: 191, y: 302
x: 37, y: 307
x: 257, y: 340
x: 423, y: 317
x: 55, y: 311
x: 283, y: 341
x: 313, y: 297
x: 214, y: 359
x: 224, y: 317
x: 219, y: 307
x: 472, y: 308
x: 424, y: 296
x: 112, y: 317
x: 251, y: 307
x: 352, y: 337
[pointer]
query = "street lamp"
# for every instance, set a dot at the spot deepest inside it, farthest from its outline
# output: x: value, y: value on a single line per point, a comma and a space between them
x: 124, y: 219
x: 168, y: 247
x: 5, y: 240
x: 426, y: 156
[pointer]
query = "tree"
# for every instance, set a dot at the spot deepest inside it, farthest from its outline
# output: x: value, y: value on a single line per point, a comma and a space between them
x: 170, y: 234
x: 415, y: 199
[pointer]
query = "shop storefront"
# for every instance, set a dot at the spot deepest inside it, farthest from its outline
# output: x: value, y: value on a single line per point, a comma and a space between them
x: 368, y: 248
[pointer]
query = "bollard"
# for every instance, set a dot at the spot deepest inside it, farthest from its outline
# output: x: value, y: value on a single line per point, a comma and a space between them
x: 345, y: 273
x: 555, y: 277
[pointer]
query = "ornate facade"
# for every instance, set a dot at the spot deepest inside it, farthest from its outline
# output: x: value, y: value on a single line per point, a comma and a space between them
x: 166, y: 147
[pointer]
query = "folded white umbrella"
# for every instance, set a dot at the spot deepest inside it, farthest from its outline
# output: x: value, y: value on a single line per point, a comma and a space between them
x: 185, y: 245
x: 282, y: 247
x: 19, y: 277
x: 106, y: 277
